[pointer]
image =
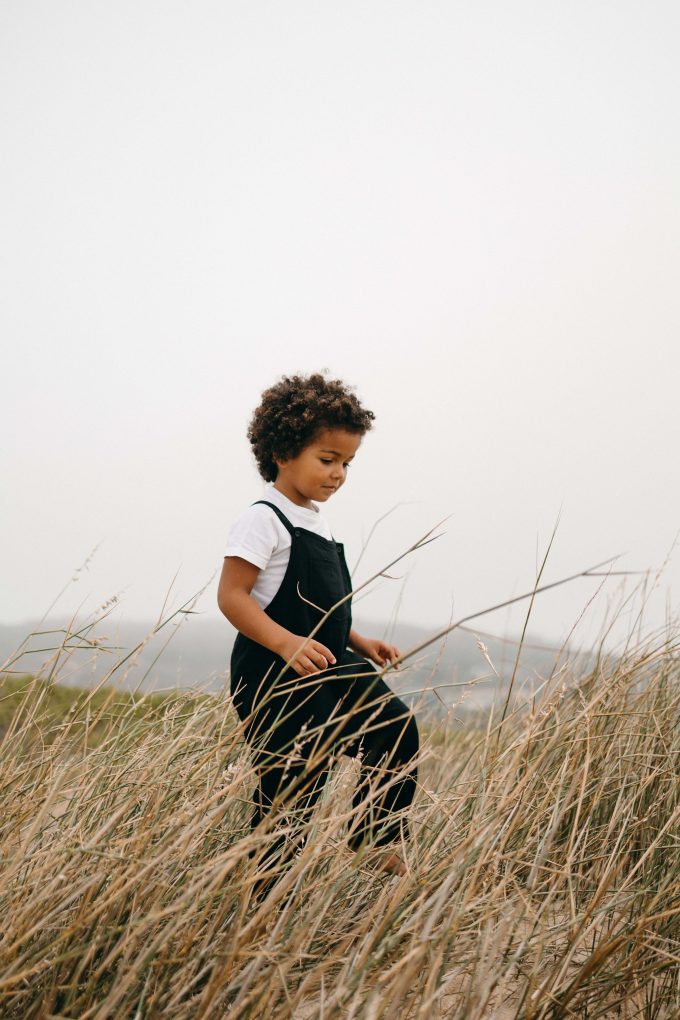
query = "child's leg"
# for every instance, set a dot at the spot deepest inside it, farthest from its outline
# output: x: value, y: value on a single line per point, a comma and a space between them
x: 386, y: 786
x: 383, y: 727
x: 296, y: 809
x: 286, y: 734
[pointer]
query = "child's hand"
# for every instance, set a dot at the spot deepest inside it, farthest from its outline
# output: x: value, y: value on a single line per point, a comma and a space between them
x: 313, y: 657
x: 379, y: 651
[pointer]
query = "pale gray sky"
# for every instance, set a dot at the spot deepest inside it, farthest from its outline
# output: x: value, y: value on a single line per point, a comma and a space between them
x: 470, y: 211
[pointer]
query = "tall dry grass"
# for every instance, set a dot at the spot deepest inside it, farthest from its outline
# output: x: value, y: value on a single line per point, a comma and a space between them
x: 543, y: 874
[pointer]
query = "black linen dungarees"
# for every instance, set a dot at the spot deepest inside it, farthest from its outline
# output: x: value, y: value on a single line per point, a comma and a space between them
x: 291, y: 720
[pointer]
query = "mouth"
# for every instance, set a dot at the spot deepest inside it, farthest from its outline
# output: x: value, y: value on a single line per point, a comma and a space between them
x: 331, y: 487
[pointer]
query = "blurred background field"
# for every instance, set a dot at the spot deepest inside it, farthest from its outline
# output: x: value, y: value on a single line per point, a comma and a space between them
x: 199, y: 650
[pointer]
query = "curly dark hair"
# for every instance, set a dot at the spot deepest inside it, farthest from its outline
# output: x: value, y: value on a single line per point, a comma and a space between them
x: 294, y: 410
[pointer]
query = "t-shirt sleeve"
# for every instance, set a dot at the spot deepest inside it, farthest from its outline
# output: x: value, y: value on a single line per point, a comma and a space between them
x: 253, y: 536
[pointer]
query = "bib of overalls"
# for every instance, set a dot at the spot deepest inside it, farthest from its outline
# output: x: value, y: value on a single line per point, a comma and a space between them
x: 316, y: 578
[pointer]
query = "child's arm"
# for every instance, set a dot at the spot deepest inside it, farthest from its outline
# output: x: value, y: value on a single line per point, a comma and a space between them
x: 241, y: 609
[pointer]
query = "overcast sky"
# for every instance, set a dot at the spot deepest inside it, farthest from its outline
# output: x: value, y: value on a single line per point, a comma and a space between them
x: 468, y: 211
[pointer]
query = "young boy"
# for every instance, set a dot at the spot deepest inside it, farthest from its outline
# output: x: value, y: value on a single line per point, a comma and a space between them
x: 282, y: 573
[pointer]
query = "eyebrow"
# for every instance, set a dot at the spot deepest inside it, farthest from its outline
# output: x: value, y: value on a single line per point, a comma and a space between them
x: 337, y: 454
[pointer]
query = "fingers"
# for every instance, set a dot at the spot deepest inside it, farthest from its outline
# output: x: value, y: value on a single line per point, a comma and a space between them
x: 317, y: 658
x: 304, y: 666
x: 391, y: 653
x: 321, y: 656
x: 326, y: 653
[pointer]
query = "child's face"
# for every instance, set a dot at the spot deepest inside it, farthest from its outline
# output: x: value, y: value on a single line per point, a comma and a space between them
x: 320, y: 469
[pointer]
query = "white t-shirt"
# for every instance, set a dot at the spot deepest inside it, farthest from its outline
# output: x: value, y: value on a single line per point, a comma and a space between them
x: 261, y: 538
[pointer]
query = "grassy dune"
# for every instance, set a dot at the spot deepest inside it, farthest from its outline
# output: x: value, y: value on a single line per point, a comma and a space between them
x: 544, y: 873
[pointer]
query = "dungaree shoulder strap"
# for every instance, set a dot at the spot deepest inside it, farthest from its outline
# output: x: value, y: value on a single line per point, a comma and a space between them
x: 282, y: 517
x: 280, y: 514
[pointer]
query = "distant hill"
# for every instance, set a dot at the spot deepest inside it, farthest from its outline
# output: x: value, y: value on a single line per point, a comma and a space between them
x: 194, y: 651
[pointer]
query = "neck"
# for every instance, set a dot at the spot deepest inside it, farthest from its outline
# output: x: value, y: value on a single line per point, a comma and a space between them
x: 293, y: 496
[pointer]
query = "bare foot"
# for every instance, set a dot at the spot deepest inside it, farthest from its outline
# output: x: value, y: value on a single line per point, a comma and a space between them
x: 388, y: 861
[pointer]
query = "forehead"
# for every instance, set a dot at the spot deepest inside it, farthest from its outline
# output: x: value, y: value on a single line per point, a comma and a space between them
x: 338, y: 441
